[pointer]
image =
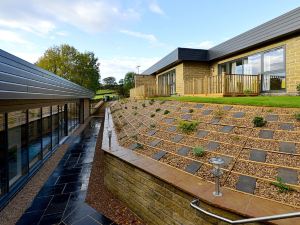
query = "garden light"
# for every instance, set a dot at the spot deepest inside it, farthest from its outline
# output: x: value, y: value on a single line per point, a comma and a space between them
x: 217, y: 163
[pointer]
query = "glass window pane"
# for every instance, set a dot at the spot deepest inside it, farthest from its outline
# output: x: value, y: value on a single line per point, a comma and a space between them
x: 55, y: 125
x: 35, y: 137
x: 17, y: 152
x: 274, y: 60
x: 61, y: 122
x: 46, y: 129
x: 252, y: 65
x: 2, y: 153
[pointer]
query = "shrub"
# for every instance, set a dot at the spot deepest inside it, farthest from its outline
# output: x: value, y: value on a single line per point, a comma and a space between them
x: 157, y: 110
x: 152, y: 115
x: 259, y: 121
x: 187, y: 126
x: 199, y: 151
x: 152, y: 125
x: 298, y: 89
x: 219, y: 113
x: 282, y: 187
x: 191, y: 110
x: 297, y: 116
x: 166, y: 112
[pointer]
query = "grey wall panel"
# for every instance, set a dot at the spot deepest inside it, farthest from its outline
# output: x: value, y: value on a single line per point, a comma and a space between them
x: 41, y: 84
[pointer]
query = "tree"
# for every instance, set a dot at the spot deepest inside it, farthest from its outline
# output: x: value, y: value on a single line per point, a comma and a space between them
x: 109, y: 82
x: 67, y: 62
x: 129, y: 80
x: 121, y: 81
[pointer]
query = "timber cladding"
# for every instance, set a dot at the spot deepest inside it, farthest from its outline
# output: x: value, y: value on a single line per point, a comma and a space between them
x: 144, y: 80
x: 153, y: 200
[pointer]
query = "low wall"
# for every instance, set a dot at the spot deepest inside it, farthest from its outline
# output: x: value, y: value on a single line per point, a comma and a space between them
x: 155, y: 201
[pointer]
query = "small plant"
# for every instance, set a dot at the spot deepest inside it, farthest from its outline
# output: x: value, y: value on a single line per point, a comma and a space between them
x: 187, y: 126
x: 282, y: 187
x: 247, y: 92
x: 199, y: 151
x: 259, y: 121
x: 191, y: 110
x: 166, y: 112
x: 120, y: 116
x: 144, y: 105
x: 152, y: 125
x: 118, y: 127
x: 139, y: 145
x: 157, y: 110
x: 162, y: 102
x: 134, y: 137
x: 236, y: 138
x: 270, y: 110
x: 152, y: 115
x: 151, y: 101
x: 297, y: 116
x: 298, y: 88
x: 219, y: 113
x: 134, y: 113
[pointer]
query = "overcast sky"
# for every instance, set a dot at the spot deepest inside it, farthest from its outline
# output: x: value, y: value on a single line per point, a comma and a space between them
x: 127, y: 33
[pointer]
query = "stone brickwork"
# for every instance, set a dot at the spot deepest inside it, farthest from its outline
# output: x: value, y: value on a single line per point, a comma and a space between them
x: 153, y: 200
x: 195, y: 69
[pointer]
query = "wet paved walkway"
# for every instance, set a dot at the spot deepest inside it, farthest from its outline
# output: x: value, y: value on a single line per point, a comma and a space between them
x: 61, y: 199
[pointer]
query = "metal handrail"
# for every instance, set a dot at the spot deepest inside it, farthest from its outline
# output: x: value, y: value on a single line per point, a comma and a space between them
x: 194, y: 204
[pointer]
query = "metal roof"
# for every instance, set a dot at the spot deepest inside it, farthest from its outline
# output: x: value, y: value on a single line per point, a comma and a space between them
x: 22, y: 80
x: 286, y: 24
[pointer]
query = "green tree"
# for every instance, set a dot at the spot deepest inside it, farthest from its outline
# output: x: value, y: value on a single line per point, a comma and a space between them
x: 129, y: 81
x: 67, y: 62
x: 109, y: 82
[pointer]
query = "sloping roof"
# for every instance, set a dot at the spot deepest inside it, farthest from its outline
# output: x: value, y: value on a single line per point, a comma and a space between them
x: 286, y: 24
x: 179, y: 54
x: 22, y: 80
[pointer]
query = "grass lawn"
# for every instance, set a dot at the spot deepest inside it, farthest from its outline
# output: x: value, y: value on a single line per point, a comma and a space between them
x: 105, y: 92
x: 272, y: 101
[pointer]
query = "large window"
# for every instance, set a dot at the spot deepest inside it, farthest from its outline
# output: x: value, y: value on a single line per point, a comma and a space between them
x: 2, y: 153
x: 35, y: 137
x: 46, y: 111
x: 269, y: 64
x: 167, y: 83
x: 61, y: 121
x: 55, y: 125
x: 17, y: 149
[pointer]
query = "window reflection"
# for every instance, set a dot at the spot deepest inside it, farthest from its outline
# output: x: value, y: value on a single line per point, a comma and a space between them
x: 2, y: 153
x: 17, y: 152
x: 35, y: 137
x: 55, y: 125
x: 46, y: 129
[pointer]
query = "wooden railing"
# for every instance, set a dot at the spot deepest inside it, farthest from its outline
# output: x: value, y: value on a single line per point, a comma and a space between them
x: 222, y: 85
x: 143, y: 91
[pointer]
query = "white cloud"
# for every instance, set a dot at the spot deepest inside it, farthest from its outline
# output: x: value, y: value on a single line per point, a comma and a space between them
x: 31, y: 57
x: 201, y: 45
x: 119, y: 66
x: 12, y: 37
x: 148, y: 37
x: 155, y: 8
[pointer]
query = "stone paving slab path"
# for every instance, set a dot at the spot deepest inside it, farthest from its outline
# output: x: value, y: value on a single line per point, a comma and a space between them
x: 257, y: 155
x: 193, y: 167
x: 246, y: 184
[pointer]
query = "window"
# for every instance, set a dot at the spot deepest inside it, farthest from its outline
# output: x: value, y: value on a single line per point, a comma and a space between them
x: 17, y: 149
x: 61, y: 121
x: 55, y: 125
x: 46, y: 124
x: 34, y: 137
x: 2, y: 153
x: 236, y: 67
x: 252, y: 65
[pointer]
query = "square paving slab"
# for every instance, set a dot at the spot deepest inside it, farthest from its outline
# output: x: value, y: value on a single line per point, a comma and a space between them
x: 186, y: 117
x: 226, y: 129
x: 266, y: 134
x: 212, y: 145
x: 193, y: 167
x: 183, y: 151
x: 287, y: 147
x: 202, y: 133
x: 257, y: 155
x: 289, y: 176
x: 227, y: 160
x: 238, y: 115
x: 215, y: 121
x: 271, y: 117
x: 151, y: 132
x: 177, y: 138
x: 206, y: 112
x: 172, y: 129
x: 246, y: 184
x: 154, y: 143
x: 158, y: 155
x: 227, y: 107
x: 169, y: 120
x: 134, y: 146
x: 199, y: 106
x: 287, y: 126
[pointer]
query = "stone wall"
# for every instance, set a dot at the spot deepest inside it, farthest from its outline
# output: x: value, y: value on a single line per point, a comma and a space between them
x: 153, y: 200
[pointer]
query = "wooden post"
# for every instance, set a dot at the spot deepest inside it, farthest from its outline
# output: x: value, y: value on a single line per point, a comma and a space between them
x: 193, y: 86
x: 223, y: 87
x: 206, y: 84
x: 258, y: 84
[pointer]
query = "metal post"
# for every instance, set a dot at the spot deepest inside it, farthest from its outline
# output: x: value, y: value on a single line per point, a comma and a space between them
x: 217, y: 162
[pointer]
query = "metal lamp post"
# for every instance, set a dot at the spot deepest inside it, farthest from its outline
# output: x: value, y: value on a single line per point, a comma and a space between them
x: 217, y: 163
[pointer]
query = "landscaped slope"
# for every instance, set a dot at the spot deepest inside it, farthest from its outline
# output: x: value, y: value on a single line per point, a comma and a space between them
x: 263, y: 161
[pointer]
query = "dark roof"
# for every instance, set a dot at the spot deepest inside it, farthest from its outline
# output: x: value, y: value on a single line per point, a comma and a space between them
x: 286, y: 24
x: 22, y: 80
x: 179, y: 54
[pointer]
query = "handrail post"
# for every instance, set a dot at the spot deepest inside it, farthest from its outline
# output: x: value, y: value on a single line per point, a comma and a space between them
x: 193, y: 86
x: 223, y: 83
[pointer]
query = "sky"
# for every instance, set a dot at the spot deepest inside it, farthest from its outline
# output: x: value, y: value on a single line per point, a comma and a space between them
x: 125, y: 34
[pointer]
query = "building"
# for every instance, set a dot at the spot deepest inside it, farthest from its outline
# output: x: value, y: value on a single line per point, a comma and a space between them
x: 38, y: 111
x: 263, y: 60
